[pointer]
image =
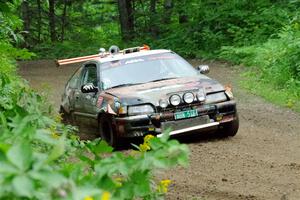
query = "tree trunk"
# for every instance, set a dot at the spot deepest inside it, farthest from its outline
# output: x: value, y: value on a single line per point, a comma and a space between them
x: 26, y: 18
x: 182, y: 13
x: 39, y: 19
x: 63, y: 20
x: 126, y: 18
x: 52, y: 20
x: 153, y: 15
x: 168, y: 7
x: 130, y: 12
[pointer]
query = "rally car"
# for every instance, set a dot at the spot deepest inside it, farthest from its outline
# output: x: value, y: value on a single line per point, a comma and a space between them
x: 138, y: 91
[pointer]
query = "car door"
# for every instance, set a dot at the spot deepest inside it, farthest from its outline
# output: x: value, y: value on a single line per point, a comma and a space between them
x: 76, y: 97
x: 73, y: 89
x: 70, y: 91
x: 86, y: 104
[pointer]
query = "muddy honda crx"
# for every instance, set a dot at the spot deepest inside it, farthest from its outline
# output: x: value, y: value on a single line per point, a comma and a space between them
x: 138, y: 91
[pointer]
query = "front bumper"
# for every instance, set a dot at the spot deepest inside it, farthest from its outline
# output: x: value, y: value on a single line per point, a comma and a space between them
x: 209, y: 117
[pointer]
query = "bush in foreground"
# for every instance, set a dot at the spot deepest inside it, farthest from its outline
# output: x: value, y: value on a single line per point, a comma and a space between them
x: 41, y: 159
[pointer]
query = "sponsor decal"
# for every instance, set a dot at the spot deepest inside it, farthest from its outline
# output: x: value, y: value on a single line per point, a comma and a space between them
x: 99, y: 101
x: 160, y: 88
x: 161, y: 57
x: 134, y: 61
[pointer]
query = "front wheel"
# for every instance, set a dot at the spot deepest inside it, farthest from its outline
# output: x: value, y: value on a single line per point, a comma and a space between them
x: 106, y: 131
x: 229, y: 129
x: 66, y: 118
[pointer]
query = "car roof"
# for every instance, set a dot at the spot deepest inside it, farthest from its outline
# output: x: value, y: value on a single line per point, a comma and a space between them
x: 121, y: 56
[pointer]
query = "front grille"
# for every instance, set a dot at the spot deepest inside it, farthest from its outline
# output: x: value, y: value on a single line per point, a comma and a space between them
x: 185, y: 123
x: 227, y: 109
x: 180, y: 107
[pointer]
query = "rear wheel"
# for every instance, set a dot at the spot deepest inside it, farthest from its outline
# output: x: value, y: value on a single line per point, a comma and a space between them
x: 229, y: 129
x: 106, y: 131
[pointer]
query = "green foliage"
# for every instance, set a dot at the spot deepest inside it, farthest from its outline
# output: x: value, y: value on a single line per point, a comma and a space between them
x: 10, y: 21
x: 28, y: 173
x: 209, y: 26
x: 212, y: 24
x: 82, y: 29
x: 275, y: 64
x: 81, y: 42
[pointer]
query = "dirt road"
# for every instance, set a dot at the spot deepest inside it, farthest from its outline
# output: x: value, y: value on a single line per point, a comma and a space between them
x: 261, y: 162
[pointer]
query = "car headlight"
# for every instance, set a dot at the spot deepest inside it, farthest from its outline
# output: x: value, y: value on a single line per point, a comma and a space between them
x: 163, y: 103
x: 140, y: 110
x: 216, y: 97
x: 175, y: 100
x: 188, y: 97
x: 201, y: 95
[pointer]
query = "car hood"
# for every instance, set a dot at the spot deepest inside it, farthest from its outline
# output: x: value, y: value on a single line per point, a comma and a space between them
x: 152, y: 92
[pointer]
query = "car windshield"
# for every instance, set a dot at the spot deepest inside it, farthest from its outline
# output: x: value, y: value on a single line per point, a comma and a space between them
x: 145, y: 69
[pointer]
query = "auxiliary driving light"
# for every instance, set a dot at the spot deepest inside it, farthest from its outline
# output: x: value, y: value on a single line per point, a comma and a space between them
x: 188, y: 97
x: 175, y: 100
x: 201, y: 95
x: 163, y: 103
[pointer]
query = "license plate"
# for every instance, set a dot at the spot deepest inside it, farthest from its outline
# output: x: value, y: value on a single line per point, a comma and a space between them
x: 185, y: 114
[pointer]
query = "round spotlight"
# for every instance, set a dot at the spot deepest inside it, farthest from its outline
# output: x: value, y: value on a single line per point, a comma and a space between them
x: 188, y: 97
x: 175, y: 100
x: 163, y: 103
x: 201, y: 96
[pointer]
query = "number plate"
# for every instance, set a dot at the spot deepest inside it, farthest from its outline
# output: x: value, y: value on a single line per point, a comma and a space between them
x: 185, y: 114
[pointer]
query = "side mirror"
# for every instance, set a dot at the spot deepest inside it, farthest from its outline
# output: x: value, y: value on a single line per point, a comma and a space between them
x: 203, y: 69
x: 88, y: 88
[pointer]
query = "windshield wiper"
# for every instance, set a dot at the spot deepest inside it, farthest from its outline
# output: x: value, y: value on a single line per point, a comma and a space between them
x: 124, y: 85
x: 163, y: 79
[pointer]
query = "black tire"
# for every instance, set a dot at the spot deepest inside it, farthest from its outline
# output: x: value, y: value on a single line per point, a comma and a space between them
x: 106, y: 130
x: 229, y: 129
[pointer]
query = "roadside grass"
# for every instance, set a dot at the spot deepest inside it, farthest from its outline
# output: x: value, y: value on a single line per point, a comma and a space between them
x: 273, y: 67
x: 278, y: 96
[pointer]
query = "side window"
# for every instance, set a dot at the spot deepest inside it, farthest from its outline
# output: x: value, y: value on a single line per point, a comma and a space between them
x: 90, y: 74
x: 74, y: 80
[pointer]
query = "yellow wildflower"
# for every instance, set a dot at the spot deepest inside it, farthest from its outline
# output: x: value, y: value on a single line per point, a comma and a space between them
x: 88, y: 198
x: 290, y: 103
x: 118, y: 181
x: 58, y: 118
x: 144, y: 147
x: 164, y: 185
x: 166, y: 182
x: 54, y: 135
x: 147, y: 138
x: 105, y: 196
